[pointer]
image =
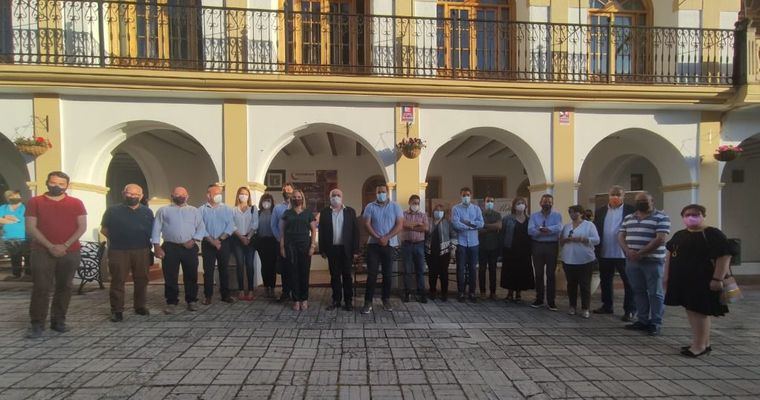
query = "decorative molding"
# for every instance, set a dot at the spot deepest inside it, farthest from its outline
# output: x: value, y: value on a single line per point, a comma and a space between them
x: 577, y: 185
x: 391, y: 185
x: 88, y: 187
x: 680, y: 187
x: 540, y: 187
x: 423, y: 185
x: 159, y: 201
x: 257, y: 186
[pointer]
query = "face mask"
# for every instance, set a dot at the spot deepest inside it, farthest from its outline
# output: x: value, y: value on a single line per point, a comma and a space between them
x: 179, y: 200
x: 489, y: 205
x: 520, y: 207
x: 296, y: 202
x: 131, y: 201
x: 546, y: 207
x: 266, y: 204
x: 615, y: 201
x: 642, y: 206
x: 218, y: 199
x: 382, y: 197
x: 438, y: 214
x: 693, y: 221
x: 286, y: 196
x: 14, y: 200
x: 336, y: 201
x: 55, y: 190
x: 243, y: 198
x: 465, y: 199
x: 414, y: 207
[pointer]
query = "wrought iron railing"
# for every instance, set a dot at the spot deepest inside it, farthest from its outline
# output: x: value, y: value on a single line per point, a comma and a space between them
x: 144, y: 34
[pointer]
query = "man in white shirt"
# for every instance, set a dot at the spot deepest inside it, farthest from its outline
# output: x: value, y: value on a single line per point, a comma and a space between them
x: 339, y: 242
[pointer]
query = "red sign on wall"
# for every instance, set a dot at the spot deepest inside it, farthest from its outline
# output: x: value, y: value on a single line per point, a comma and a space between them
x: 407, y: 114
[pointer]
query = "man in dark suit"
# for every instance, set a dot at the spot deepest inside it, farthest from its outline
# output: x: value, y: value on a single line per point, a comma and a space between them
x: 339, y: 242
x: 611, y: 257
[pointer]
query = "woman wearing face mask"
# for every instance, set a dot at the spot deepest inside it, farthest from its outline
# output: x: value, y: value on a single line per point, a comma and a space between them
x: 440, y: 241
x: 266, y: 245
x: 298, y: 242
x: 578, y: 239
x: 516, y: 269
x: 697, y: 261
x: 246, y: 223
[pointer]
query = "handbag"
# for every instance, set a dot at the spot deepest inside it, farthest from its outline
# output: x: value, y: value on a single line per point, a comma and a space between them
x: 731, y: 293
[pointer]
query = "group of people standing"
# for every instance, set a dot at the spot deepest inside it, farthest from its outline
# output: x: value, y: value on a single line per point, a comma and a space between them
x: 629, y: 240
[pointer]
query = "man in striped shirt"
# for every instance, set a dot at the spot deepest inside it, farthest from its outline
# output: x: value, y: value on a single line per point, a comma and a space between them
x: 642, y: 237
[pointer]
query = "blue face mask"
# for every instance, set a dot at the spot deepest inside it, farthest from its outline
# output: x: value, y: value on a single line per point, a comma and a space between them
x: 438, y: 214
x: 465, y: 199
x: 489, y: 205
x: 382, y: 197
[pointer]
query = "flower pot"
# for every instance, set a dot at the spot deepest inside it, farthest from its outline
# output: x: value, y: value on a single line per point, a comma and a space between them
x: 411, y: 152
x: 725, y: 156
x: 32, y: 150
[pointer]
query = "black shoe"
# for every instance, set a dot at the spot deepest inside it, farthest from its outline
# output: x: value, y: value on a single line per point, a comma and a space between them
x: 444, y: 298
x: 387, y: 305
x: 537, y: 303
x: 473, y: 298
x: 422, y: 299
x: 432, y: 295
x: 627, y: 317
x: 687, y: 352
x: 637, y: 326
x: 283, y: 298
x: 552, y: 307
x: 406, y: 297
x: 35, y: 332
x: 602, y: 310
x: 708, y: 348
x: 117, y: 317
x: 59, y: 327
x: 367, y: 308
x: 654, y: 330
x: 333, y: 306
x: 142, y: 311
x: 348, y: 307
x: 461, y: 298
x: 229, y: 300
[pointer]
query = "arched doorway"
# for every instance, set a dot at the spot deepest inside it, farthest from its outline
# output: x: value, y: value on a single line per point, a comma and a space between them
x: 13, y: 171
x: 739, y: 213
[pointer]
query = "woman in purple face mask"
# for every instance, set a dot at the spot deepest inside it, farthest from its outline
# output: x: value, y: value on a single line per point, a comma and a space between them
x: 696, y: 264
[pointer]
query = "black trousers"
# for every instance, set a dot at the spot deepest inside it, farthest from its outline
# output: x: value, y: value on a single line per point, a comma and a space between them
x: 340, y: 274
x: 438, y: 268
x: 488, y: 259
x: 579, y: 276
x: 378, y: 257
x: 176, y: 255
x: 213, y: 258
x: 299, y: 262
x: 545, y: 259
x: 268, y: 247
x: 607, y: 268
x: 283, y: 268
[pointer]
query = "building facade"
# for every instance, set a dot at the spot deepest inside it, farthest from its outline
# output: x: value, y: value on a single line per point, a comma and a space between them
x: 512, y: 97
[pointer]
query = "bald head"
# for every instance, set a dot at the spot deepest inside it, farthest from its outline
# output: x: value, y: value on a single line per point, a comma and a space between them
x: 132, y: 194
x: 644, y: 202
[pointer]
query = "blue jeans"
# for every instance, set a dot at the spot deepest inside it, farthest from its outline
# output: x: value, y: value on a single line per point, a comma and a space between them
x: 645, y: 277
x: 414, y: 264
x: 467, y: 268
x: 243, y: 263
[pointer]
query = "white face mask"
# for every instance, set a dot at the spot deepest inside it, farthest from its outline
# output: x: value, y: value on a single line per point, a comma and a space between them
x: 218, y: 198
x: 336, y: 201
x: 520, y: 207
x: 414, y: 207
x: 243, y: 198
x: 266, y: 204
x: 465, y: 200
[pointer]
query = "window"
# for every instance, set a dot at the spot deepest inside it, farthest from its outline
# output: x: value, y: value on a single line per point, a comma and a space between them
x: 330, y: 33
x: 473, y: 35
x: 618, y: 42
x: 6, y: 32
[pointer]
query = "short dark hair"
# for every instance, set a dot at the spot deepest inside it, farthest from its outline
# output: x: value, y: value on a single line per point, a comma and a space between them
x: 59, y: 174
x: 702, y: 210
x: 547, y: 196
x: 385, y: 185
x: 465, y: 189
x: 413, y: 197
x: 288, y: 184
x: 576, y: 208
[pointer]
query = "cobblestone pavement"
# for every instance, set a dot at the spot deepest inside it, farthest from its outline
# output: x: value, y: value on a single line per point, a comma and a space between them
x: 256, y: 350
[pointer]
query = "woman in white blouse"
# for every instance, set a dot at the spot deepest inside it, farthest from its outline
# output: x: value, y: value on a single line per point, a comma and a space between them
x: 578, y: 239
x: 246, y: 224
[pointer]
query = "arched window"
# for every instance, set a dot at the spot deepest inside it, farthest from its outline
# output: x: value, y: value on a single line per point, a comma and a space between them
x: 473, y: 35
x: 618, y: 45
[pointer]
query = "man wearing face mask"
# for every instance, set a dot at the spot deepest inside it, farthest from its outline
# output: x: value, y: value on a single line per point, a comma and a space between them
x: 181, y: 226
x: 55, y: 221
x: 489, y: 248
x: 219, y: 220
x: 415, y: 226
x: 128, y: 227
x: 383, y: 219
x: 339, y: 242
x: 14, y: 232
x: 282, y: 267
x: 642, y: 237
x: 611, y: 257
x: 467, y: 219
x: 544, y: 228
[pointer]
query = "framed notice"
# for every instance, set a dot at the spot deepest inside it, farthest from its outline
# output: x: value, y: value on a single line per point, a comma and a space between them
x: 275, y: 179
x: 407, y: 114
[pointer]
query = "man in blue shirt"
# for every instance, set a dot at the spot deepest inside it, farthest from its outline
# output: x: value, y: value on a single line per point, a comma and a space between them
x: 384, y: 220
x: 14, y: 232
x: 467, y: 219
x: 544, y: 228
x: 282, y: 263
x: 219, y: 220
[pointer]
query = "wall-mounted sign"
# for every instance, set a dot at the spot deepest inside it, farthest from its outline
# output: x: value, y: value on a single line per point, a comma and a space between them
x: 407, y: 114
x: 564, y: 117
x: 302, y: 176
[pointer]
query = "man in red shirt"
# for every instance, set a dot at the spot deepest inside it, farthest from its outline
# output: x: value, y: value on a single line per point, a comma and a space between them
x: 55, y: 221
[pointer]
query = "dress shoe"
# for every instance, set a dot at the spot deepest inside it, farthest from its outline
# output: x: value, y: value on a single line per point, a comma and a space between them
x: 537, y: 304
x: 367, y: 308
x: 59, y: 327
x: 117, y: 317
x: 636, y: 326
x: 348, y: 307
x: 552, y: 307
x: 602, y: 310
x: 142, y: 311
x: 688, y: 353
x: 627, y: 317
x: 708, y: 348
x: 35, y: 332
x: 406, y: 297
x: 654, y: 330
x: 461, y: 298
x: 229, y: 300
x: 387, y: 305
x: 422, y: 299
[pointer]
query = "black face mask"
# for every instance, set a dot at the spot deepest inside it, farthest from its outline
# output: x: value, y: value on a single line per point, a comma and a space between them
x: 296, y: 202
x: 55, y: 190
x: 179, y: 200
x: 642, y: 206
x: 131, y: 201
x: 546, y: 207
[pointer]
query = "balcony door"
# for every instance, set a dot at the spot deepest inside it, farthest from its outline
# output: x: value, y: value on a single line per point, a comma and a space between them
x: 327, y: 35
x: 618, y: 45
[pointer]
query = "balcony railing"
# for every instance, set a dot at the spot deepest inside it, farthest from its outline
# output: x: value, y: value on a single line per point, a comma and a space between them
x: 144, y: 34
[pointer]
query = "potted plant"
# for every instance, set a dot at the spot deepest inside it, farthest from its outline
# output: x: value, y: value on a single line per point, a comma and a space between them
x: 410, y: 147
x: 34, y: 146
x: 727, y: 152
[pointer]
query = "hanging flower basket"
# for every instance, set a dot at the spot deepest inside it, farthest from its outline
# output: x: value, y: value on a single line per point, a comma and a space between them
x: 727, y: 153
x: 410, y: 147
x: 34, y: 146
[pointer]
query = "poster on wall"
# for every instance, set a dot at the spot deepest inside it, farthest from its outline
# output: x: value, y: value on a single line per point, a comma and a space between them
x: 301, y: 176
x: 317, y: 193
x: 275, y: 179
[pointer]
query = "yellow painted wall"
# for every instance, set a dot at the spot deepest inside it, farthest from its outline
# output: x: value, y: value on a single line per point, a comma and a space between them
x: 235, y: 120
x: 47, y: 124
x: 407, y: 170
x: 709, y: 168
x: 563, y: 166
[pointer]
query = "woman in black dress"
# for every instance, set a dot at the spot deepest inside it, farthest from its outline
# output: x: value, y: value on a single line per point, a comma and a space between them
x: 696, y: 264
x: 516, y: 267
x: 298, y: 241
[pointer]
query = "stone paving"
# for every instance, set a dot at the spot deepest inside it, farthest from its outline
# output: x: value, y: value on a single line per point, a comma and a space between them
x: 258, y: 350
